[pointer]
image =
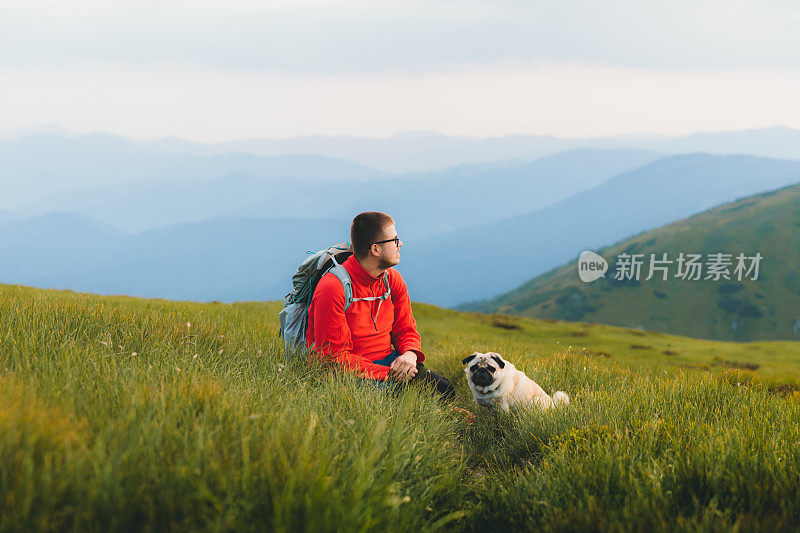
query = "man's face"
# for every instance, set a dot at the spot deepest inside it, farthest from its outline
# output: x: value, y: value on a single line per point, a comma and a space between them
x: 389, y: 252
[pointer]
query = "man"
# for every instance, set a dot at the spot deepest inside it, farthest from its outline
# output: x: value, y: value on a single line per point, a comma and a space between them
x: 376, y: 338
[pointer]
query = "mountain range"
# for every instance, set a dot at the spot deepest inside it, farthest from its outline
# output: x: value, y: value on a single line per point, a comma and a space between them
x: 745, y: 305
x: 239, y: 258
x: 415, y: 151
x: 426, y: 203
x: 39, y: 166
x: 494, y: 258
x: 223, y: 259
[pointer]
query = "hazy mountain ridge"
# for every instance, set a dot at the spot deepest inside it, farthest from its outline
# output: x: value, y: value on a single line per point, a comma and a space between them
x: 41, y: 165
x: 494, y: 258
x: 471, y: 232
x: 427, y: 203
x: 426, y: 151
x: 253, y: 258
x: 224, y: 259
x: 728, y: 309
x: 8, y: 216
x: 141, y: 264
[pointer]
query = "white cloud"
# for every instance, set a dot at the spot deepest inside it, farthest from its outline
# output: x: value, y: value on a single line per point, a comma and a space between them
x: 565, y: 99
x: 367, y: 37
x: 209, y: 70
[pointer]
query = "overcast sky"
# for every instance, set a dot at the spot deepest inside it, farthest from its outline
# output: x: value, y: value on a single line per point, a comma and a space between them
x: 215, y: 71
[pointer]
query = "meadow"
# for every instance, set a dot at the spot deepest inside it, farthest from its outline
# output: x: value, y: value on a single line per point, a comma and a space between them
x: 127, y: 414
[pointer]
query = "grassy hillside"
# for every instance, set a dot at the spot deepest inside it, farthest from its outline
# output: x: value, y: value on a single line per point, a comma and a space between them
x: 122, y: 414
x: 766, y: 308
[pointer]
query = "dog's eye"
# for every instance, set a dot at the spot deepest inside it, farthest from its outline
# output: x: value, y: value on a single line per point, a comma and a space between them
x: 490, y: 368
x: 474, y: 368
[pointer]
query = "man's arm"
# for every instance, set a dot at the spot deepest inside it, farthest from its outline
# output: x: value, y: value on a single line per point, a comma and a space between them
x: 331, y: 334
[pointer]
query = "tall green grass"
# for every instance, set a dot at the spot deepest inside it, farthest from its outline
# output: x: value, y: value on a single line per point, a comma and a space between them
x: 642, y: 452
x: 126, y: 414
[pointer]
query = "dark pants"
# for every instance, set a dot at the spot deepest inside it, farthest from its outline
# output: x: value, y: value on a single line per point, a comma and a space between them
x: 440, y: 383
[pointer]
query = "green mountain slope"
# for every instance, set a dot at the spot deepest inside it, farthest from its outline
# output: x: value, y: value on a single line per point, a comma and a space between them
x: 730, y: 309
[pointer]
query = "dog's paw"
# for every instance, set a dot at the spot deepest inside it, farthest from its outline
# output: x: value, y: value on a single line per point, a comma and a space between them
x: 560, y: 398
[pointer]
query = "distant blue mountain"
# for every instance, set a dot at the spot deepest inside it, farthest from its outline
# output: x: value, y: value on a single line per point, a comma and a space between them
x: 142, y: 206
x: 224, y: 259
x: 425, y: 151
x: 246, y: 259
x: 40, y: 165
x: 438, y: 202
x: 36, y: 248
x: 8, y: 216
x: 428, y: 203
x: 470, y: 233
x: 489, y: 259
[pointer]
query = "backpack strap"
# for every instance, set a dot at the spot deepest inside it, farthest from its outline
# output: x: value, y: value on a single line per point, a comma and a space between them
x: 340, y: 272
x: 381, y: 298
x: 384, y: 296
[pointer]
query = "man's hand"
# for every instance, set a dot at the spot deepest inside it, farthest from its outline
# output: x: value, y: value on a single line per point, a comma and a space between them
x: 404, y: 368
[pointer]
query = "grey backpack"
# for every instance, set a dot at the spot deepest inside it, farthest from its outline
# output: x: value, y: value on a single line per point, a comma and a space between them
x: 294, y: 316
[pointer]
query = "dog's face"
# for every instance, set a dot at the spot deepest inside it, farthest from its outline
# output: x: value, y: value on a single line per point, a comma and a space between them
x: 484, y: 370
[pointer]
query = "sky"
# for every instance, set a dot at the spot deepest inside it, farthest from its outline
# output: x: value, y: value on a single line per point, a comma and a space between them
x: 219, y: 71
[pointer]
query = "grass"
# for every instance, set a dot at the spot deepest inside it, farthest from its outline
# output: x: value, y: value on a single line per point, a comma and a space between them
x: 126, y: 414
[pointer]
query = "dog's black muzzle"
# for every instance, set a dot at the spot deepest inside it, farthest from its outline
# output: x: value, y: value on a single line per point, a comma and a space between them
x: 482, y: 377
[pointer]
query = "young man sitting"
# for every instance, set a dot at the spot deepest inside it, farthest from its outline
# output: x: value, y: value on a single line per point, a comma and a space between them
x: 376, y: 337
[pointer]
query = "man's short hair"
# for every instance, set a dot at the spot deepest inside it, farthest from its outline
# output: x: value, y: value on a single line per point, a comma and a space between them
x: 366, y: 229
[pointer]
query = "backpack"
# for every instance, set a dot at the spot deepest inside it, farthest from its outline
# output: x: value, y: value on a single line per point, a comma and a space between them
x: 294, y: 316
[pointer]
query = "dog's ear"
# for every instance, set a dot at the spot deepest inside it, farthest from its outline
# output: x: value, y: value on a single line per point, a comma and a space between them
x: 469, y: 358
x: 500, y: 362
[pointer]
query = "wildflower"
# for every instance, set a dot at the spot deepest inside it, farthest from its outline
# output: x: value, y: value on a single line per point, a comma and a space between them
x: 188, y: 325
x: 194, y: 356
x: 220, y: 352
x: 134, y: 354
x: 178, y: 369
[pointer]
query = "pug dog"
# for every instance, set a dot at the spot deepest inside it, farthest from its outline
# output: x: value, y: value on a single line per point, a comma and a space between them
x: 495, y: 381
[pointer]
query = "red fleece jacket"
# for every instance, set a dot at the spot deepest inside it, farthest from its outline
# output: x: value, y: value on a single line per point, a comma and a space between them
x: 365, y: 333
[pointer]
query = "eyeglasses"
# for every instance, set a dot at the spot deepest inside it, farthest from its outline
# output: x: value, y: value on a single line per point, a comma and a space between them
x: 396, y: 241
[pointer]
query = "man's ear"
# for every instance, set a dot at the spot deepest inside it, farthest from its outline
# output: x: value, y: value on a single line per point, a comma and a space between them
x: 500, y: 362
x: 469, y: 358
